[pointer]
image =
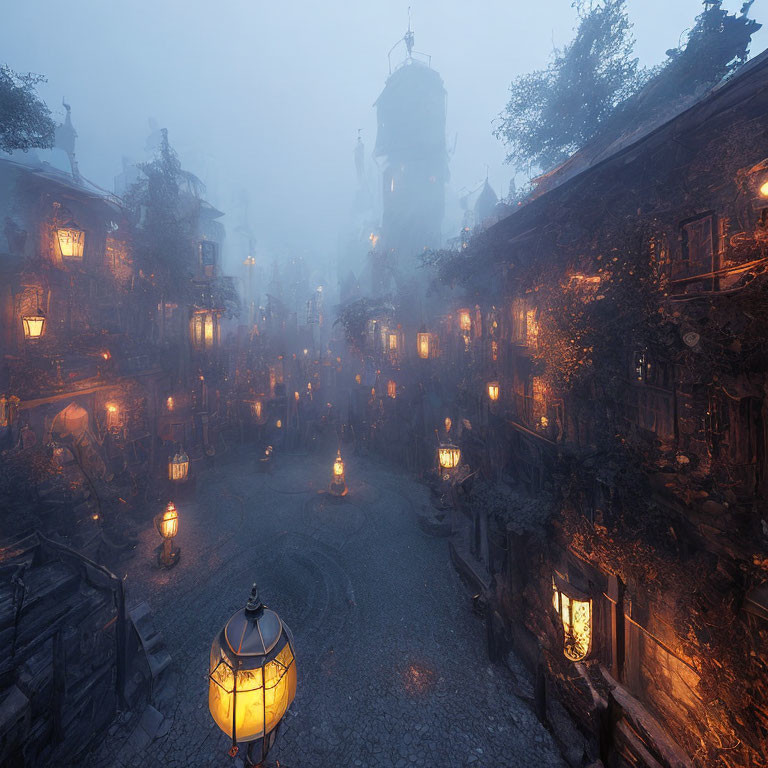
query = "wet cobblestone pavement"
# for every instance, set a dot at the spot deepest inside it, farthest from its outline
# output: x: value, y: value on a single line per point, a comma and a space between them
x: 392, y: 665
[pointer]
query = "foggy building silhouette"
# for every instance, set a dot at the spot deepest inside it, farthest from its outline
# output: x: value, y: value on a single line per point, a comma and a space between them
x: 411, y: 112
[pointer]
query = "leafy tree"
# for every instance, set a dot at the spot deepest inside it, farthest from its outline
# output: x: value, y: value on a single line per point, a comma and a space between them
x: 594, y: 86
x: 25, y: 121
x: 554, y: 111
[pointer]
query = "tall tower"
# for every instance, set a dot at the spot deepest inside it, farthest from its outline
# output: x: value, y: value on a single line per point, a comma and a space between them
x: 411, y: 142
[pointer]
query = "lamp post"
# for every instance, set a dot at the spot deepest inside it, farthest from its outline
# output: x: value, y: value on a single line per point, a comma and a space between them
x: 167, y: 525
x: 252, y: 678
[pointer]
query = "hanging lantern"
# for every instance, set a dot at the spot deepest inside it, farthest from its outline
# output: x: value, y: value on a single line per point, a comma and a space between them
x: 167, y: 526
x: 576, y: 618
x: 449, y: 456
x: 252, y: 678
x: 465, y: 320
x: 71, y: 241
x: 493, y: 391
x: 34, y: 325
x: 391, y: 389
x: 178, y: 467
x: 338, y: 483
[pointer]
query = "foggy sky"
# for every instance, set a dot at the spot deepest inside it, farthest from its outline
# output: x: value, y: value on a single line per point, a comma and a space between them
x: 268, y: 96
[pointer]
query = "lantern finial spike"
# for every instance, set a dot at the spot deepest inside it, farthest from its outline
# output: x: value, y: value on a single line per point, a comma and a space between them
x: 254, y: 606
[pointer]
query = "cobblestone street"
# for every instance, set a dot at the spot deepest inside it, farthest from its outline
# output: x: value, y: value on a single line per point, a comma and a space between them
x: 391, y: 661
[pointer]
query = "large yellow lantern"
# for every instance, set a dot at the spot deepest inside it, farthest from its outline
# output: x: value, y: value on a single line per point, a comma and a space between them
x: 493, y: 391
x: 449, y: 456
x: 338, y: 485
x: 167, y: 525
x: 252, y: 678
x: 34, y: 325
x: 71, y: 242
x: 178, y: 467
x: 576, y: 617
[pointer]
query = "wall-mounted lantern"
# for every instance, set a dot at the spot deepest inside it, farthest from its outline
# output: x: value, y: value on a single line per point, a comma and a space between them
x: 71, y: 241
x: 252, y: 678
x: 493, y: 391
x: 575, y: 611
x: 34, y: 325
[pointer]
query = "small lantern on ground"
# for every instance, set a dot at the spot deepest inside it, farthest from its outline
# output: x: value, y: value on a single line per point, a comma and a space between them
x: 252, y: 678
x: 338, y: 485
x: 493, y: 391
x: 178, y: 466
x: 167, y: 525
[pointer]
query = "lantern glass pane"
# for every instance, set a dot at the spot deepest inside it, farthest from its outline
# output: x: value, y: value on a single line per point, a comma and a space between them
x: 209, y: 330
x: 33, y: 326
x: 71, y: 242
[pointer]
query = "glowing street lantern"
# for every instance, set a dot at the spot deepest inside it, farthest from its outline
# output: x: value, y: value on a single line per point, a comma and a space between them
x: 279, y: 423
x: 393, y: 342
x: 764, y: 189
x: 71, y: 242
x: 178, y: 467
x: 34, y: 325
x: 576, y: 618
x: 465, y: 320
x: 493, y: 391
x: 338, y: 483
x: 169, y: 404
x: 167, y: 526
x: 391, y: 389
x: 252, y: 678
x: 449, y: 456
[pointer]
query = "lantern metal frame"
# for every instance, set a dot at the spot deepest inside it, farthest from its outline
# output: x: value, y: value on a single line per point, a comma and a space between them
x: 261, y: 640
x: 448, y: 458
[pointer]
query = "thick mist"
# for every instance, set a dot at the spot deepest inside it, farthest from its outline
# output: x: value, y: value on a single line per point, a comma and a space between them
x: 264, y: 100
